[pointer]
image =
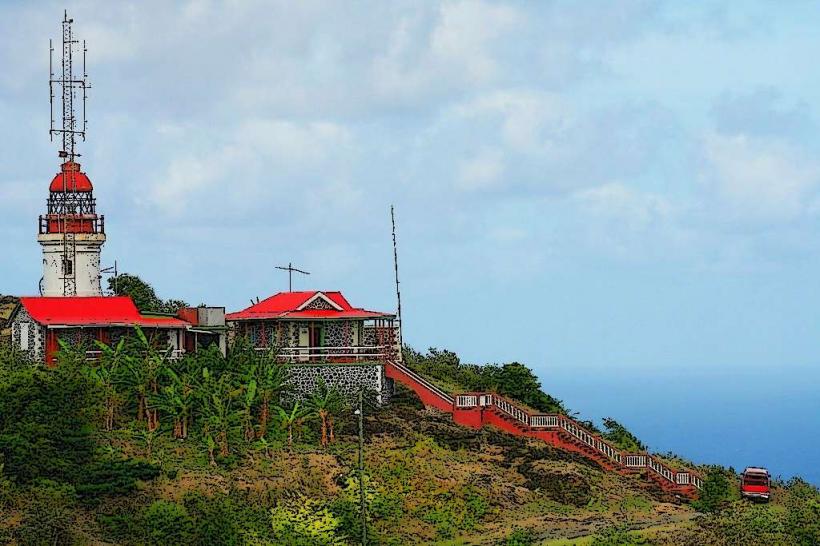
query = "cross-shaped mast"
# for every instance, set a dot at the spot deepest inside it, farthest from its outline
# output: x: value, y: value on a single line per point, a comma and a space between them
x: 290, y: 269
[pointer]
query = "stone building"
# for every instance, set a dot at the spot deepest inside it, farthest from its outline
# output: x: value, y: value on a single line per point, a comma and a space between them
x: 39, y: 323
x: 321, y: 335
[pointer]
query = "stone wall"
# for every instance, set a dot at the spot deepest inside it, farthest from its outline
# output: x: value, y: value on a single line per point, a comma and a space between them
x: 36, y: 335
x: 348, y: 378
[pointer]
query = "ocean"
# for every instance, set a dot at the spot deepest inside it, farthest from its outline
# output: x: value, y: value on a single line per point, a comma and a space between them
x: 736, y: 418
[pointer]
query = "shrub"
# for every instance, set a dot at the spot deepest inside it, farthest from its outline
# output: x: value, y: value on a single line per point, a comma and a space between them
x: 165, y: 522
x: 716, y: 490
x: 802, y: 520
x: 49, y: 514
x: 617, y: 536
x: 305, y: 522
x: 217, y: 519
x: 520, y: 537
x: 113, y: 477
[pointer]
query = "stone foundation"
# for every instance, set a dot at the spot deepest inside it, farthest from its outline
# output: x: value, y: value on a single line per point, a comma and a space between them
x: 347, y: 378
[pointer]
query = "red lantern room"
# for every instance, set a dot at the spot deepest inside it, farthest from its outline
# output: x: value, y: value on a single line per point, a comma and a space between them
x: 71, y: 204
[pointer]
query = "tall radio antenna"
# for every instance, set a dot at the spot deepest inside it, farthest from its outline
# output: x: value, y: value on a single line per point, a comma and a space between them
x: 68, y: 86
x: 71, y: 129
x: 396, y: 270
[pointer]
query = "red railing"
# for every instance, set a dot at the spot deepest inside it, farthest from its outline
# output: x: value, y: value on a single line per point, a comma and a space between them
x: 72, y: 223
x: 535, y: 421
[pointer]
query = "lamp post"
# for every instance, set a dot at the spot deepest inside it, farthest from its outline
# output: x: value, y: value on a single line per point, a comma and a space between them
x: 362, y: 499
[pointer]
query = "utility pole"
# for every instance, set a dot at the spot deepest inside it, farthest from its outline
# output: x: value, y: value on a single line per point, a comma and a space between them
x: 396, y: 269
x: 290, y: 269
x: 362, y: 498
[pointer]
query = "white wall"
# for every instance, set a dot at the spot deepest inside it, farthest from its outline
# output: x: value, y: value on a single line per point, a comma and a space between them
x: 86, y: 278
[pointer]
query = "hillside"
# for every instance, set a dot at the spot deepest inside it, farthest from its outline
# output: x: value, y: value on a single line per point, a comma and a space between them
x: 67, y: 479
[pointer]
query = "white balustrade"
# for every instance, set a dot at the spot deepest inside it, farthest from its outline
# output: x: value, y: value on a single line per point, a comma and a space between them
x: 466, y: 401
x: 544, y: 421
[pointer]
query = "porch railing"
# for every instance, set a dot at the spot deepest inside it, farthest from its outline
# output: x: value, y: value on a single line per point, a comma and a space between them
x: 296, y: 355
x: 93, y: 356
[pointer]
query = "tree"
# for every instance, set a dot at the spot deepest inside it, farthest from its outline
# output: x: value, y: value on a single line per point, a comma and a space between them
x: 47, y: 420
x: 323, y: 403
x: 621, y: 437
x: 143, y: 294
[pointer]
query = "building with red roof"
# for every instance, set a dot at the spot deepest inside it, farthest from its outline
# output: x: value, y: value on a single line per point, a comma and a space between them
x: 39, y: 323
x: 317, y: 327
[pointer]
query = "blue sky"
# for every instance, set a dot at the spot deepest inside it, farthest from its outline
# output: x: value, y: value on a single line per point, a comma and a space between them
x: 621, y: 187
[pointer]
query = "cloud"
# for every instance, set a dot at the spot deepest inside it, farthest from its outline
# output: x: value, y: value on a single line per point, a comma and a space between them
x: 454, y: 54
x: 760, y: 178
x: 623, y: 205
x: 260, y: 164
x: 761, y: 111
x: 481, y: 172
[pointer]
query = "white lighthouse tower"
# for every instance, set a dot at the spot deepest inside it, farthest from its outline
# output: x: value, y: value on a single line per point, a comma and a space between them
x: 71, y: 232
x: 72, y: 235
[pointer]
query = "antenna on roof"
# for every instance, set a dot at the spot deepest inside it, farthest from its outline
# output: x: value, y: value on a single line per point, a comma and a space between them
x: 115, y: 272
x: 396, y: 269
x: 290, y: 269
x: 72, y: 127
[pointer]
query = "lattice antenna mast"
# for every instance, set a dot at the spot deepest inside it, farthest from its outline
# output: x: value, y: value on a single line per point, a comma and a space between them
x: 72, y: 128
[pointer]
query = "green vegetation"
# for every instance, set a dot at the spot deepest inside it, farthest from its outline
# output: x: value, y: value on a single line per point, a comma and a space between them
x: 718, y: 490
x: 143, y: 294
x: 140, y: 449
x: 514, y: 380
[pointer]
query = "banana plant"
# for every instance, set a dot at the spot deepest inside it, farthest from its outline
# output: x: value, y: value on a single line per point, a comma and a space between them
x: 290, y: 420
x: 176, y: 399
x: 324, y: 403
x: 249, y: 393
x: 272, y: 380
x: 217, y: 397
x: 105, y: 374
x: 264, y: 446
x: 143, y: 369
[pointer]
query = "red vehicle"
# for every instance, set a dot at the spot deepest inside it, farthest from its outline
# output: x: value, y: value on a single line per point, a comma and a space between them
x: 755, y: 484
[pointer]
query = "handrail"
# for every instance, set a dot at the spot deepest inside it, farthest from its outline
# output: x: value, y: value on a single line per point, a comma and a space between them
x: 93, y: 356
x: 577, y: 431
x: 422, y: 381
x: 531, y: 421
x: 310, y: 354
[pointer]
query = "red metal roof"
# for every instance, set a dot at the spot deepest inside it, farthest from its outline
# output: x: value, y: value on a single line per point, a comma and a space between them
x: 287, y: 305
x: 93, y: 311
x: 71, y: 179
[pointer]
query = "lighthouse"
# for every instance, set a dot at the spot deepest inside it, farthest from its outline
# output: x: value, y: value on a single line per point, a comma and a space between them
x: 71, y: 236
x: 71, y: 233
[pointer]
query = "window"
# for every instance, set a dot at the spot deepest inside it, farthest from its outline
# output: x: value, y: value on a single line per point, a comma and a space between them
x: 68, y: 267
x: 24, y: 327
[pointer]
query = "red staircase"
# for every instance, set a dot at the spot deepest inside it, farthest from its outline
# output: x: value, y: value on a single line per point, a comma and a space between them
x: 478, y: 409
